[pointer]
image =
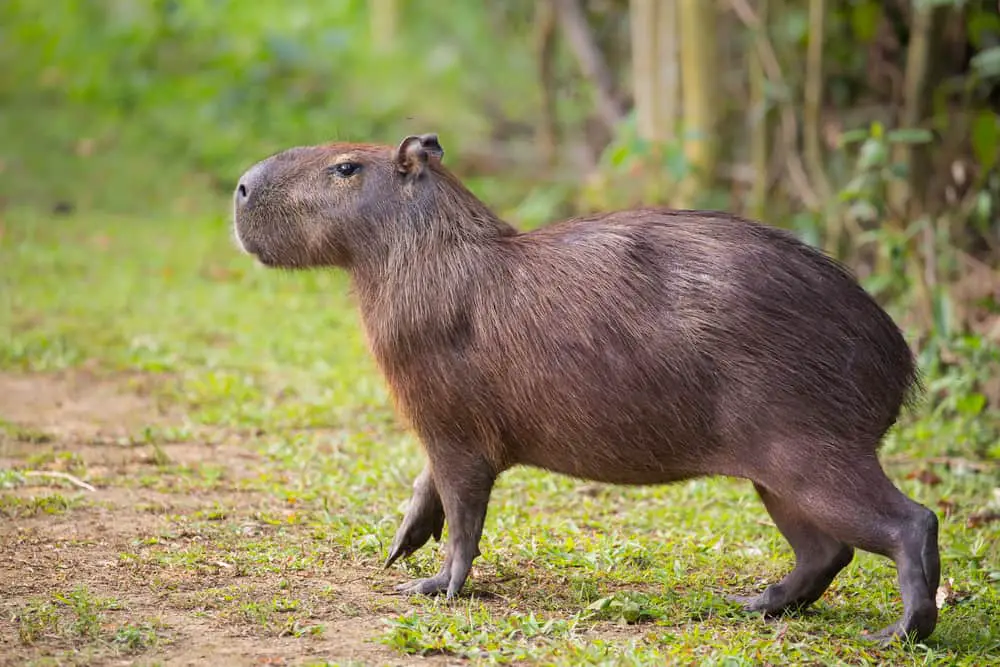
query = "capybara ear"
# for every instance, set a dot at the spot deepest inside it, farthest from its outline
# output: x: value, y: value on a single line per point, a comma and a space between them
x: 414, y: 151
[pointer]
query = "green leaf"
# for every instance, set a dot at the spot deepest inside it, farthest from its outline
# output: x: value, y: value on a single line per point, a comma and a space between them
x: 792, y: 26
x: 854, y: 188
x: 619, y: 155
x: 984, y: 207
x: 600, y: 604
x: 864, y: 211
x: 899, y: 170
x: 980, y: 25
x: 971, y: 404
x: 878, y: 283
x: 987, y: 63
x: 865, y: 19
x: 912, y: 135
x: 853, y: 136
x: 941, y: 307
x: 985, y: 136
x: 873, y: 154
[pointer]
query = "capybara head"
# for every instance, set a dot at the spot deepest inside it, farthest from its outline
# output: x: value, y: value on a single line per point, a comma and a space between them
x: 340, y: 204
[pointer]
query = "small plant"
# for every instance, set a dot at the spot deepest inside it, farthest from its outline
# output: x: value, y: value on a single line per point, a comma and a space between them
x: 257, y: 613
x: 10, y: 479
x: 474, y: 634
x: 624, y: 607
x: 36, y: 621
x: 23, y: 433
x: 135, y: 638
x: 87, y: 609
x: 16, y: 507
x: 283, y: 604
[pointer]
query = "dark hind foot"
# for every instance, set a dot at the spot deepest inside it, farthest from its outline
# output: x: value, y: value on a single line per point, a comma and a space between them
x: 818, y: 559
x: 859, y: 506
x: 895, y: 633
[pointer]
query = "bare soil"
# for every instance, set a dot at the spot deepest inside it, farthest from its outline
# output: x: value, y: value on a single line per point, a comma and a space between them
x: 43, y: 554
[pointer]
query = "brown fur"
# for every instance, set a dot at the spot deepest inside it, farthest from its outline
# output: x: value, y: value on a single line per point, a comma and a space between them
x: 635, y: 347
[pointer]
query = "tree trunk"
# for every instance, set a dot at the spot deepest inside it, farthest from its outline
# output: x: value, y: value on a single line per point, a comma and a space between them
x: 655, y: 73
x: 699, y: 83
x: 545, y: 33
x: 813, y: 102
x: 905, y: 196
x: 759, y: 124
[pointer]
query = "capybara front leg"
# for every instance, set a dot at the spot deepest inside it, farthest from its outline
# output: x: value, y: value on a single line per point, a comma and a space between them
x: 424, y: 518
x: 464, y: 483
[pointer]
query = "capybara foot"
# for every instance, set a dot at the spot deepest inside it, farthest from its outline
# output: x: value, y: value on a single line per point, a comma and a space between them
x: 429, y: 586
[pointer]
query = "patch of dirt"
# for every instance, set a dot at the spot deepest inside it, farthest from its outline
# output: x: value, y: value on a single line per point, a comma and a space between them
x: 45, y: 554
x: 79, y: 405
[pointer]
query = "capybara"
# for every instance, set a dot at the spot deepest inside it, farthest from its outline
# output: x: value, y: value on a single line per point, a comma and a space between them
x: 634, y: 347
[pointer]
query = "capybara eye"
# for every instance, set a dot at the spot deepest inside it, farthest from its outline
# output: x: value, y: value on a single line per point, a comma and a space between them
x: 345, y: 169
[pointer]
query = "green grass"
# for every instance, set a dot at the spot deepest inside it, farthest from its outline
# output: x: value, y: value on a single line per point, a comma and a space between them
x: 82, y: 615
x: 571, y: 573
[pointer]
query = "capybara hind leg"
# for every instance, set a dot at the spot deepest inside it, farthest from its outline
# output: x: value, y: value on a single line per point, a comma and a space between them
x: 918, y: 568
x: 862, y: 508
x: 424, y: 517
x: 818, y: 559
x: 464, y: 487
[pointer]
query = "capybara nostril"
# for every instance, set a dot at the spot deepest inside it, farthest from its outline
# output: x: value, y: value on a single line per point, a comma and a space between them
x: 242, y: 194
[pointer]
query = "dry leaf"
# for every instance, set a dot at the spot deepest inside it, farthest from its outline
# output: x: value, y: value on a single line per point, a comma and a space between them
x: 944, y: 593
x: 85, y: 147
x: 982, y: 518
x: 221, y: 274
x: 947, y: 595
x: 50, y: 76
x: 948, y: 507
x: 926, y: 476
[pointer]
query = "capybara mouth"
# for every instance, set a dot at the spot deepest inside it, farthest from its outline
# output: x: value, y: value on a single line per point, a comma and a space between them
x: 270, y: 257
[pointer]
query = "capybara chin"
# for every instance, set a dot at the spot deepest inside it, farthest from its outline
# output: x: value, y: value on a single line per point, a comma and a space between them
x: 635, y: 347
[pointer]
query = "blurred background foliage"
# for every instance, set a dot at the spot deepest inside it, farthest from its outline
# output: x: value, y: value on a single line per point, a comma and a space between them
x: 868, y: 127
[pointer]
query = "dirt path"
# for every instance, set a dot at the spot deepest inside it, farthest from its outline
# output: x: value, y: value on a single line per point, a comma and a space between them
x: 138, y: 606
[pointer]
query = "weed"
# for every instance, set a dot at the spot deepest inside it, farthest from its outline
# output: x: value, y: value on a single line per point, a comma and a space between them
x: 37, y: 620
x: 135, y: 638
x: 15, y: 507
x: 87, y: 610
x: 23, y: 433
